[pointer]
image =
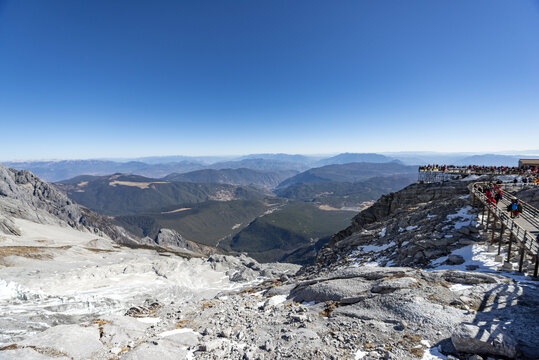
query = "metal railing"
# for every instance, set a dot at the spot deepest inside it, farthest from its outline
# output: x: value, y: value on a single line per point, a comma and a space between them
x: 526, y: 238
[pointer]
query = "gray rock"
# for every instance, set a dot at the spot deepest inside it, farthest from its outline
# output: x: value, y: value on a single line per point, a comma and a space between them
x: 472, y: 339
x: 394, y: 284
x: 332, y: 290
x: 468, y: 278
x: 268, y: 346
x: 75, y: 341
x: 455, y: 260
x: 211, y: 345
x: 475, y: 357
x: 170, y: 238
x: 464, y: 230
x: 226, y: 333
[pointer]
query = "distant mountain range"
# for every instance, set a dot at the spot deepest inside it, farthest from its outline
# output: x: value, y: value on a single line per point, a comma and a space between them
x: 352, y: 172
x: 489, y: 160
x: 260, y: 164
x: 160, y: 166
x: 354, y: 157
x: 67, y: 169
x: 241, y: 176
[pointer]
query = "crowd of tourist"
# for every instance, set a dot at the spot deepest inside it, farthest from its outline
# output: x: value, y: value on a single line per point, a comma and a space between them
x: 494, y: 193
x: 527, y: 174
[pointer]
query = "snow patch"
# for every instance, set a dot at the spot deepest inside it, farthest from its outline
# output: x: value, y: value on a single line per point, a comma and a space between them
x: 425, y: 343
x: 508, y: 178
x: 149, y: 320
x: 177, y: 331
x: 383, y: 232
x: 374, y: 248
x: 360, y: 354
x: 409, y: 228
x: 477, y: 255
x: 459, y: 287
x: 371, y: 263
x: 466, y: 218
x: 471, y: 177
x: 276, y: 300
x: 433, y: 354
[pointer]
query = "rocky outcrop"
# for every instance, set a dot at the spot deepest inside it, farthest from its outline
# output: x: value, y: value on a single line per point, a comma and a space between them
x: 393, y: 203
x: 473, y: 339
x: 23, y: 195
x: 412, y: 227
x: 245, y: 269
x: 172, y: 240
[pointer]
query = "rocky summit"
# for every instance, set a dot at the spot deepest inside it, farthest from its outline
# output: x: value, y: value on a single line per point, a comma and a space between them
x: 413, y: 277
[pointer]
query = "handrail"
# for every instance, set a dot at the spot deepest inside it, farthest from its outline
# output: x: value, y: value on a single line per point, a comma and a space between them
x: 528, y: 240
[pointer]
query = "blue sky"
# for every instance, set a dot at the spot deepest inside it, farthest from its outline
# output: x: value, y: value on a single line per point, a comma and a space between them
x: 82, y: 79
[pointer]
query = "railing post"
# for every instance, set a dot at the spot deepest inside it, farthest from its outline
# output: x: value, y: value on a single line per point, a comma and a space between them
x: 488, y: 219
x: 500, y: 239
x: 521, y: 260
x: 536, y: 265
x: 483, y: 215
x: 493, y: 229
x: 509, y: 248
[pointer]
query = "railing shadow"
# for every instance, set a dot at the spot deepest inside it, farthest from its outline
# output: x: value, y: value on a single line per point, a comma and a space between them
x: 507, y: 316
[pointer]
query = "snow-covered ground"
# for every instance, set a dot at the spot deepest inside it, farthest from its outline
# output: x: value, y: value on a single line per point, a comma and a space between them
x: 57, y: 275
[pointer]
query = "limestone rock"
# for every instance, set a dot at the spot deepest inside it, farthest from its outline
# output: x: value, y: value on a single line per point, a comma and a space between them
x: 473, y: 339
x: 74, y: 341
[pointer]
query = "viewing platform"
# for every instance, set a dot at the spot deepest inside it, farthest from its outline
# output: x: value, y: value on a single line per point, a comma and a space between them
x: 528, y: 171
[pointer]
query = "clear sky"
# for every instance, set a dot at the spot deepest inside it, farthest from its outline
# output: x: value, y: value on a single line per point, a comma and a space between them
x: 81, y: 79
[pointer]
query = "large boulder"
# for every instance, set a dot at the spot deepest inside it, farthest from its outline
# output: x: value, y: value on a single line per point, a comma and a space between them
x: 473, y: 339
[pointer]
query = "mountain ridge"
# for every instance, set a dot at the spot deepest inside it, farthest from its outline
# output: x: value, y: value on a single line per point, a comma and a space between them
x: 240, y: 176
x: 350, y: 172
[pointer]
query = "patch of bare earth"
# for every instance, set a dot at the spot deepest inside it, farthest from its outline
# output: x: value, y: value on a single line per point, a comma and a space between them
x: 140, y: 185
x: 222, y: 195
x: 31, y: 252
x: 175, y: 211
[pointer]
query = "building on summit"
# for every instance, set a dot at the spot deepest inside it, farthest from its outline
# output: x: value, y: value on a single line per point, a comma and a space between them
x: 528, y: 163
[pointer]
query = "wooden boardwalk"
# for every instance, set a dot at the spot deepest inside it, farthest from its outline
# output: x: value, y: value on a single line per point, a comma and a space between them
x: 523, y: 230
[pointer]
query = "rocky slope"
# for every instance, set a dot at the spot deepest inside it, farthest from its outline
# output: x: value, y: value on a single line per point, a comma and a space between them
x: 24, y: 196
x: 411, y: 227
